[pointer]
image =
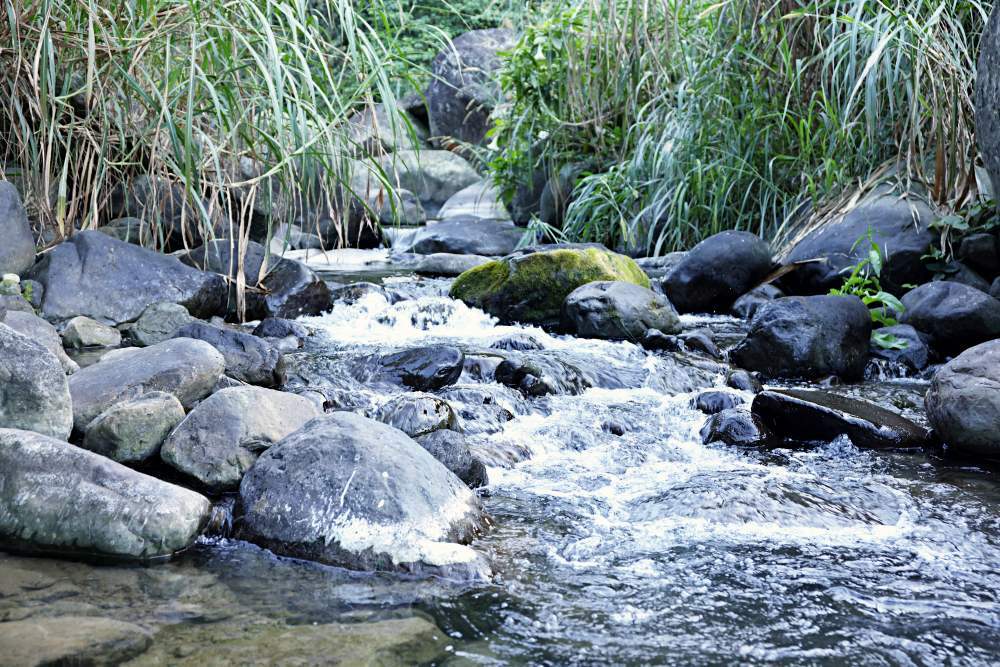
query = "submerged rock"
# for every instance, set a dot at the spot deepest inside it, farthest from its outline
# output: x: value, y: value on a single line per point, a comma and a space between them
x: 132, y: 432
x: 17, y: 249
x: 718, y: 271
x: 418, y: 414
x: 963, y: 401
x: 353, y: 492
x: 34, y: 393
x: 532, y: 287
x: 186, y: 368
x: 71, y: 640
x: 98, y: 508
x: 616, y: 310
x: 248, y: 358
x: 807, y: 337
x: 539, y: 375
x: 821, y: 416
x: 518, y: 342
x: 736, y: 427
x: 420, y: 368
x: 113, y: 282
x: 224, y: 434
x: 955, y: 316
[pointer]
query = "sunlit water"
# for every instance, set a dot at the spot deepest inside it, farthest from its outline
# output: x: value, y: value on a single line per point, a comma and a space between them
x: 641, y: 548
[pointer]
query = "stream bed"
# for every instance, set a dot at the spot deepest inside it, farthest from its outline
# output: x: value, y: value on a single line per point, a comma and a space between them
x: 618, y: 537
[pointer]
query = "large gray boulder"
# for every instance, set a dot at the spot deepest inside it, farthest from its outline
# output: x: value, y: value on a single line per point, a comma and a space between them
x: 248, y: 358
x: 63, y: 500
x: 290, y: 288
x: 466, y: 235
x: 479, y: 200
x: 988, y: 99
x: 34, y: 393
x: 963, y: 401
x: 40, y: 331
x: 112, y: 281
x: 132, y: 431
x: 17, y: 245
x: 616, y: 310
x: 350, y: 491
x: 186, y: 368
x: 464, y: 87
x: 718, y: 271
x: 807, y: 337
x: 901, y: 227
x: 224, y: 434
x: 953, y: 315
x: 433, y: 176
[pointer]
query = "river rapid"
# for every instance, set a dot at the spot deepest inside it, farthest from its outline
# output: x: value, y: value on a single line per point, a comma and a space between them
x: 618, y: 537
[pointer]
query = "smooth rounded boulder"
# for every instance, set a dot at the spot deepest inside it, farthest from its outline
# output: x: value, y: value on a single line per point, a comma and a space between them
x: 463, y: 88
x: 953, y: 315
x: 113, y: 282
x: 248, y: 358
x: 531, y: 286
x: 807, y: 337
x: 418, y: 414
x: 615, y: 310
x: 186, y: 368
x: 224, y: 434
x: 34, y: 392
x: 63, y: 500
x: 466, y: 235
x: 717, y: 271
x: 736, y: 427
x: 159, y: 322
x: 963, y: 401
x: 17, y: 245
x: 450, y: 448
x: 132, y: 431
x: 81, y: 332
x: 350, y: 491
x: 40, y: 331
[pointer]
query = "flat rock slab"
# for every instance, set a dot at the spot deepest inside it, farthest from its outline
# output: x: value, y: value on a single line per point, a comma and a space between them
x: 66, y: 501
x: 821, y: 416
x: 70, y: 640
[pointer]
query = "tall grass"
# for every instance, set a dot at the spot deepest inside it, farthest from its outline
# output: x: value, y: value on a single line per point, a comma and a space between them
x: 700, y: 116
x: 235, y: 104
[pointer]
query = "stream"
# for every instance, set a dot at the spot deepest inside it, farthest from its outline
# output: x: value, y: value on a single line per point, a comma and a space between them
x: 618, y: 537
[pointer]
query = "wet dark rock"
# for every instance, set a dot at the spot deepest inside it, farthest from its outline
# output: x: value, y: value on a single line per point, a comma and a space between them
x: 418, y: 415
x: 360, y: 494
x: 963, y: 401
x: 995, y: 289
x: 40, y: 331
x: 289, y: 287
x: 451, y: 450
x: 809, y: 416
x: 224, y: 434
x: 463, y: 88
x: 980, y: 253
x: 248, y: 358
x: 615, y: 310
x: 899, y: 226
x: 99, y: 508
x: 658, y: 341
x: 737, y: 427
x: 71, y: 640
x: 113, y: 282
x: 466, y: 235
x: 158, y: 322
x: 186, y: 368
x: 277, y: 327
x: 421, y: 368
x: 614, y: 427
x: 718, y: 271
x: 746, y: 306
x: 83, y: 332
x: 714, y: 401
x: 34, y: 393
x: 481, y: 408
x: 531, y: 285
x: 518, y: 342
x: 743, y: 381
x: 351, y: 294
x: 807, y: 337
x: 917, y: 354
x: 540, y: 376
x: 955, y: 316
x: 699, y: 341
x: 17, y: 249
x: 132, y: 431
x: 957, y: 272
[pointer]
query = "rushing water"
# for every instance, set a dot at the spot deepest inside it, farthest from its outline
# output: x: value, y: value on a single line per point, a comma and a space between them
x: 641, y: 548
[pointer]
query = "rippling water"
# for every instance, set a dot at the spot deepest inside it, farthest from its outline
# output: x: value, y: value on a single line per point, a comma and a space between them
x: 641, y: 548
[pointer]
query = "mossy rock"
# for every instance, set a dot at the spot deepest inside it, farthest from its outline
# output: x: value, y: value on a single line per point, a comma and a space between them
x: 531, y: 288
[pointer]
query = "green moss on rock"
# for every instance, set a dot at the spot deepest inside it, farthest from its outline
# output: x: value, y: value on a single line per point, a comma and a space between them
x: 531, y: 288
